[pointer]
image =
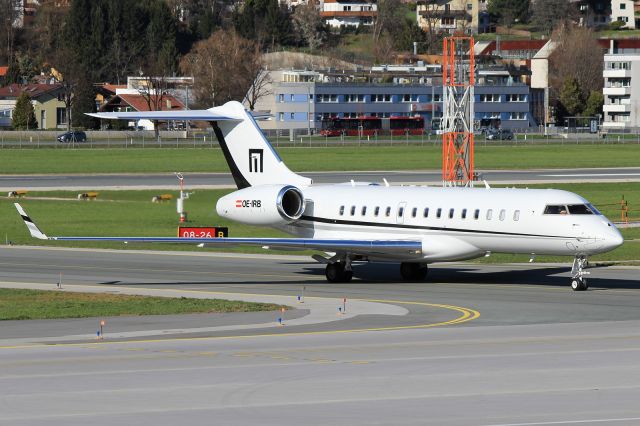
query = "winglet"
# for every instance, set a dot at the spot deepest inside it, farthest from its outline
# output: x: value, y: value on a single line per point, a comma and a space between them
x: 33, y: 228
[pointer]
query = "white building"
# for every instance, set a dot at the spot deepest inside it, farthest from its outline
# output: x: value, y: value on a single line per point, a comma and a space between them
x: 622, y: 10
x: 353, y: 13
x: 621, y: 90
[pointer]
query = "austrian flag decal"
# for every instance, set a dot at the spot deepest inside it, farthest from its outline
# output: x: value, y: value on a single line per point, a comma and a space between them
x: 238, y: 203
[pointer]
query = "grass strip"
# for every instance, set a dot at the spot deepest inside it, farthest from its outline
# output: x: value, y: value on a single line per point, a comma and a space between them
x: 334, y: 158
x: 23, y: 304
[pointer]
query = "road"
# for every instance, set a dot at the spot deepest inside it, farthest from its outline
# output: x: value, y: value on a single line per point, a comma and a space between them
x: 536, y: 353
x: 222, y: 180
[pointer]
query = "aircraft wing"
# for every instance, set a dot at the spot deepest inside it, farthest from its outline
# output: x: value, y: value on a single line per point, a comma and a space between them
x: 402, y: 248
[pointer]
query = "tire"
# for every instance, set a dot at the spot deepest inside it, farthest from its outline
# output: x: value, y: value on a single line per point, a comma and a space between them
x: 333, y: 272
x: 413, y: 271
x: 578, y: 284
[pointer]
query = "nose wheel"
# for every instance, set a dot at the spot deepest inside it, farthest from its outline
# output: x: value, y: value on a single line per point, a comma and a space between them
x: 578, y: 280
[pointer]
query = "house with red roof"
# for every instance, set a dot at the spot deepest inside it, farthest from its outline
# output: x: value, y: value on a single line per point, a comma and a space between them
x: 47, y: 100
x: 130, y: 102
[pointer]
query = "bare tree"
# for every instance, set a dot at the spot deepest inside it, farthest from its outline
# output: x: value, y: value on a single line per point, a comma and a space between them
x: 430, y: 14
x: 261, y: 85
x: 578, y: 56
x: 389, y: 14
x: 10, y: 14
x: 307, y: 20
x: 154, y: 90
x: 225, y: 67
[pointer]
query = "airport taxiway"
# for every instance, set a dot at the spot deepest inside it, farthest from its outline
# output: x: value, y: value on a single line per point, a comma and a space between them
x: 224, y: 180
x: 537, y: 353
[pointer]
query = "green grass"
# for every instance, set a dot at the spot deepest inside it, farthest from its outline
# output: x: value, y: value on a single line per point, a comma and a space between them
x: 337, y: 158
x: 131, y: 213
x: 21, y: 304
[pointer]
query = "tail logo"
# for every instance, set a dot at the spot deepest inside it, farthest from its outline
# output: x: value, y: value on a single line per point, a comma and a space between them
x: 256, y: 161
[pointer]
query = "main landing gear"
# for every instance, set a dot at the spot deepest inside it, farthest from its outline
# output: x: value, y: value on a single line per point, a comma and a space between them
x: 339, y: 272
x: 413, y: 271
x: 578, y: 282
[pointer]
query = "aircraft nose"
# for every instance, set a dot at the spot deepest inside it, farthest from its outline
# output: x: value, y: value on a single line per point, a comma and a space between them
x: 614, y: 239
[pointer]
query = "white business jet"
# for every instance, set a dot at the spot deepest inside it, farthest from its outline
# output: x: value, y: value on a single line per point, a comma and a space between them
x: 354, y: 221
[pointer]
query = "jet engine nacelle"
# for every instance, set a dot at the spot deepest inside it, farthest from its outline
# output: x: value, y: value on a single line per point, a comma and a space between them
x: 263, y: 205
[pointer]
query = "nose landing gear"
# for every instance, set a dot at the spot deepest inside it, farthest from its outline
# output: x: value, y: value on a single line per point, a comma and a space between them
x: 578, y: 281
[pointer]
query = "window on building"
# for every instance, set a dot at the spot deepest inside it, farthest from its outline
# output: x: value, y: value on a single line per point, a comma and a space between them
x: 292, y: 98
x: 293, y: 115
x: 469, y: 6
x: 281, y: 97
x: 281, y: 116
x: 61, y: 116
x: 517, y: 116
x: 490, y: 97
x: 623, y: 6
x: 518, y: 97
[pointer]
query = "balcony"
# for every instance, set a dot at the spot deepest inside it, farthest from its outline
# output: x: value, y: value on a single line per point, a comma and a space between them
x: 616, y: 108
x: 616, y: 91
x: 616, y: 73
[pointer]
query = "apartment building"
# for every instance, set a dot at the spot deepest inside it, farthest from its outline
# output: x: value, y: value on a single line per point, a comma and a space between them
x: 621, y: 87
x: 348, y: 13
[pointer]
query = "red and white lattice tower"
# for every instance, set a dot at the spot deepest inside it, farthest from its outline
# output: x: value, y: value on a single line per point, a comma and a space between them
x: 458, y: 74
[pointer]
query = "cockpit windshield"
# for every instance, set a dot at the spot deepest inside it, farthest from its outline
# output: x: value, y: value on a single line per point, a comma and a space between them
x: 571, y: 209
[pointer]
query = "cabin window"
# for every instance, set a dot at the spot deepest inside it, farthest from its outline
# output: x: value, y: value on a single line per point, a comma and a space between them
x: 476, y: 214
x: 579, y: 209
x: 464, y: 213
x: 414, y: 212
x: 353, y: 210
x: 555, y: 209
x: 376, y: 211
x: 364, y: 210
x: 516, y: 215
x: 387, y: 213
x: 400, y: 211
x: 503, y: 214
x: 450, y: 213
x: 341, y: 210
x: 489, y: 214
x: 426, y: 212
x: 438, y: 212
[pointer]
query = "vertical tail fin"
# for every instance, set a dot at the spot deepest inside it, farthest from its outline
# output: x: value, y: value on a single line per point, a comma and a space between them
x: 251, y: 158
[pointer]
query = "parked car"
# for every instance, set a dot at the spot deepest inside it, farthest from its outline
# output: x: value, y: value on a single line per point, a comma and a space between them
x: 500, y: 134
x: 73, y: 136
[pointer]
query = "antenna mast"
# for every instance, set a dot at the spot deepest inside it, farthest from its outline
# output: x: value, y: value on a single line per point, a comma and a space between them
x: 458, y: 79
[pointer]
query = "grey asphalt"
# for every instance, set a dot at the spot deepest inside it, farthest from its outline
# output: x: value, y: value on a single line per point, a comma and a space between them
x: 219, y: 180
x: 537, y: 354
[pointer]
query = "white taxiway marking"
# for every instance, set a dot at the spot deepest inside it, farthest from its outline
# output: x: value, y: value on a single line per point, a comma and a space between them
x: 594, y: 174
x: 571, y: 422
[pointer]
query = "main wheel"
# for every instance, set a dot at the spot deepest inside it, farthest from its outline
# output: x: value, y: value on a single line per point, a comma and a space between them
x: 335, y: 273
x: 413, y: 271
